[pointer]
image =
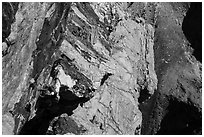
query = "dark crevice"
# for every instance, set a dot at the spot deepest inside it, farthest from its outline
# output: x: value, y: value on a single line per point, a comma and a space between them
x: 192, y: 28
x: 144, y: 95
x: 129, y: 4
x: 105, y: 77
x: 147, y: 107
x: 181, y: 119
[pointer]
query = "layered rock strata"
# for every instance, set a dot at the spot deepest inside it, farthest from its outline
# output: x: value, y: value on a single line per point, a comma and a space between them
x: 97, y: 68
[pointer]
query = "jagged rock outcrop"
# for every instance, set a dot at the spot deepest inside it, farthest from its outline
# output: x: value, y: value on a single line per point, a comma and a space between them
x: 97, y: 68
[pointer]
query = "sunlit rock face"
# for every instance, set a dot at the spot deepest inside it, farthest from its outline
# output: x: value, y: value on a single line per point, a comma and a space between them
x: 96, y: 68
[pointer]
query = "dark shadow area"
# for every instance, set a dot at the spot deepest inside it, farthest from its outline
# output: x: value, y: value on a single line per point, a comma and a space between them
x: 181, y: 119
x: 147, y: 108
x: 144, y: 95
x: 105, y: 77
x: 192, y: 28
x: 49, y: 107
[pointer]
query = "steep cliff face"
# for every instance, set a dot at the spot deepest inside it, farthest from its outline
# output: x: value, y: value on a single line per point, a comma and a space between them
x: 98, y: 68
x: 178, y: 102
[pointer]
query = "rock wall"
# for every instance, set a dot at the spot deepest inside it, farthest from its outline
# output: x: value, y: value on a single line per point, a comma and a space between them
x: 97, y: 68
x: 177, y: 102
